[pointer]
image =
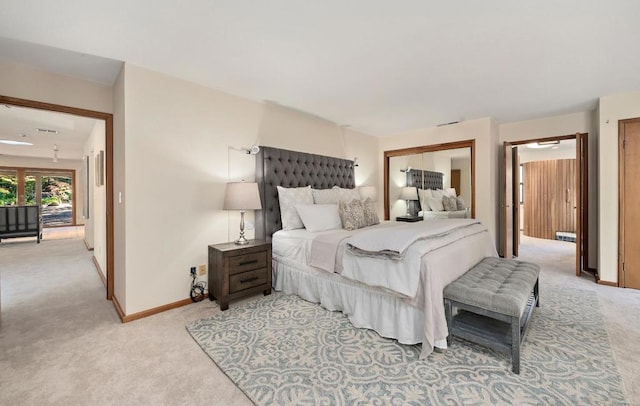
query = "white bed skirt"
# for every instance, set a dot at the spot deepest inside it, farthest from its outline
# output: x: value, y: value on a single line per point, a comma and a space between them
x: 387, y: 313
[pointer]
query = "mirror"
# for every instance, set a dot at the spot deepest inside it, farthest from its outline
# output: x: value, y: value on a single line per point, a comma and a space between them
x: 441, y: 166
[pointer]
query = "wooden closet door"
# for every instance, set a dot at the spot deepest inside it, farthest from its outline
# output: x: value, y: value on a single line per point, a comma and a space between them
x: 629, y: 196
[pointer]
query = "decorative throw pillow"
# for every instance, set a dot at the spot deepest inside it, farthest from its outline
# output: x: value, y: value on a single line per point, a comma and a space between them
x: 319, y: 217
x: 460, y: 203
x: 449, y: 203
x: 435, y: 204
x: 347, y: 195
x: 325, y: 196
x: 289, y: 198
x: 370, y: 213
x: 351, y: 214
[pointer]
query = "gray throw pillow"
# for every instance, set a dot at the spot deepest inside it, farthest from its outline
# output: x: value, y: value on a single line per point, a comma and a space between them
x: 370, y: 213
x: 460, y: 203
x: 351, y: 214
x: 449, y: 203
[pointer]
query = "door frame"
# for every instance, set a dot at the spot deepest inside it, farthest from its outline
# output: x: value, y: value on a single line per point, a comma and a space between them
x: 582, y: 220
x: 108, y: 119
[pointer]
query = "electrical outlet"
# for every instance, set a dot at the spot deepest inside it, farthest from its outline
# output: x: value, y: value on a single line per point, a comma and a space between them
x: 202, y: 270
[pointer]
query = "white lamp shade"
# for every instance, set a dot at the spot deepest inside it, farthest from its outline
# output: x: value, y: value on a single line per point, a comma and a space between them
x: 242, y: 196
x: 409, y: 193
x: 368, y: 191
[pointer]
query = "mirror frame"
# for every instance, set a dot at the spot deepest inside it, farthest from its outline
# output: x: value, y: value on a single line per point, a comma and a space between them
x: 431, y: 148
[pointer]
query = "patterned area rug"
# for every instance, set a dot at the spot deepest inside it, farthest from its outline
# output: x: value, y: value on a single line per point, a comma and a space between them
x: 280, y: 349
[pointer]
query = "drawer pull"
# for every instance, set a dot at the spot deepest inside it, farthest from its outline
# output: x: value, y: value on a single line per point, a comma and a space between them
x: 253, y: 261
x: 255, y: 278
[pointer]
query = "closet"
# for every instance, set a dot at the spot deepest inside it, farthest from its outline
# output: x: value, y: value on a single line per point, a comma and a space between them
x: 549, y: 198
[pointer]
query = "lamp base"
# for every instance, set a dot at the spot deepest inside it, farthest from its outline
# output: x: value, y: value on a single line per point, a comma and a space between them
x: 241, y: 241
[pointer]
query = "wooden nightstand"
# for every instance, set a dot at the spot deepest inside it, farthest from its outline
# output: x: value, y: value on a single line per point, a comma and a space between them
x: 239, y: 270
x: 410, y: 219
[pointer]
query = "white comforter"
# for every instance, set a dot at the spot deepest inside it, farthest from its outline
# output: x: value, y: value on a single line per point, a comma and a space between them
x: 418, y: 260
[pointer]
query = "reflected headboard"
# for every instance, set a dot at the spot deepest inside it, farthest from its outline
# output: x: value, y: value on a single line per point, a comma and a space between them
x: 280, y: 167
x: 423, y: 180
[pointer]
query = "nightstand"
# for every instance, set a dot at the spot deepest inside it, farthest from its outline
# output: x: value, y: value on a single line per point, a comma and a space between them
x: 239, y: 270
x: 409, y: 219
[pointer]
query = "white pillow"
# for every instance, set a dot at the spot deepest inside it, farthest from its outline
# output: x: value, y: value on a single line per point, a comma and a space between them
x: 289, y: 198
x: 319, y: 217
x: 435, y: 203
x: 325, y: 196
x: 437, y: 193
x: 347, y: 195
x: 451, y: 192
x: 422, y: 195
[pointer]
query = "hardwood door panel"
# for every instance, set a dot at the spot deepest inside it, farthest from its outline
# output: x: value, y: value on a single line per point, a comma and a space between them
x: 549, y: 197
x: 630, y: 196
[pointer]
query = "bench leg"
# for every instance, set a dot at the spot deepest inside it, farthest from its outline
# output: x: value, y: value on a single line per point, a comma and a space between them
x: 447, y: 312
x: 515, y: 344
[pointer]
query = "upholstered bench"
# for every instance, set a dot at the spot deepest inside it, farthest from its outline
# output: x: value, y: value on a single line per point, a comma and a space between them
x: 495, y: 300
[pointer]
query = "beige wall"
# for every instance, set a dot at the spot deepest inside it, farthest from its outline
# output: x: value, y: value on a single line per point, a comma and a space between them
x: 464, y: 165
x: 567, y: 124
x: 27, y: 82
x: 611, y: 109
x: 180, y: 143
x: 484, y: 132
x: 95, y: 231
x: 119, y: 183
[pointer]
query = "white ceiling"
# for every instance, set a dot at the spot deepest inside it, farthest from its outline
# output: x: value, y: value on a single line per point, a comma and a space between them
x: 382, y: 67
x: 21, y: 124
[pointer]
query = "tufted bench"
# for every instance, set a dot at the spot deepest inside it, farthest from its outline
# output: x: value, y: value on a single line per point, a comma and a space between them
x: 495, y: 300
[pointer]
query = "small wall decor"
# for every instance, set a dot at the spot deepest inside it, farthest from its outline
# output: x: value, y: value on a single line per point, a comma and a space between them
x: 86, y: 188
x: 99, y: 168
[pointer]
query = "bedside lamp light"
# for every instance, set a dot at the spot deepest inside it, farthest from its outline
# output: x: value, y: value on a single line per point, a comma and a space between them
x: 242, y: 196
x: 409, y: 193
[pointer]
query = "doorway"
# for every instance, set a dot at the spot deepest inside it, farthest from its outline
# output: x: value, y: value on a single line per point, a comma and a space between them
x: 562, y: 198
x: 108, y: 161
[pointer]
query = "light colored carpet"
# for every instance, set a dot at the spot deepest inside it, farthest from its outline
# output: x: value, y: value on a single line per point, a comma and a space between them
x: 281, y: 349
x: 61, y: 342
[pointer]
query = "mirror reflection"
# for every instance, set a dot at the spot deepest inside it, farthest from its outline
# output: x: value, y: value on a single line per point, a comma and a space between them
x: 432, y: 184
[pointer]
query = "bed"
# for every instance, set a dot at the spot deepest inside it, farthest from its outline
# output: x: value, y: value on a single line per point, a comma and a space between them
x: 409, y: 319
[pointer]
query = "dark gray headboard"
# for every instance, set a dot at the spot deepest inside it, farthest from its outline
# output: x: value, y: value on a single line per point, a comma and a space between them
x: 280, y: 167
x: 433, y: 180
x: 423, y: 180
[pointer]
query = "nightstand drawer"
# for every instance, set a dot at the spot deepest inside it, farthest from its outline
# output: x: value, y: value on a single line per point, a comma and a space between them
x: 247, y: 280
x: 247, y: 262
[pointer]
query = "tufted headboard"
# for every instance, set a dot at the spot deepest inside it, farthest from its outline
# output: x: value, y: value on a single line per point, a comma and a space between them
x: 433, y: 180
x: 280, y: 167
x: 423, y: 180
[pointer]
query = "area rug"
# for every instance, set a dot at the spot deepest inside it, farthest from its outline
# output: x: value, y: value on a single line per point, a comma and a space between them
x: 280, y: 349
